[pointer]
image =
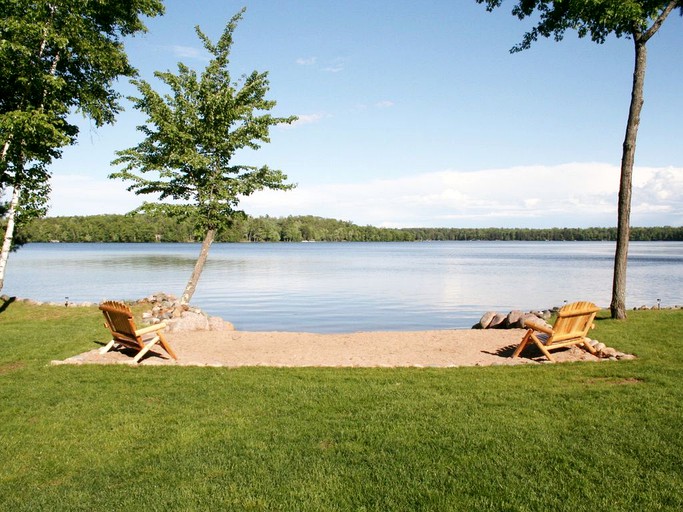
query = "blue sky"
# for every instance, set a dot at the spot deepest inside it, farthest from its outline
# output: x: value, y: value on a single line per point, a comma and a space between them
x: 416, y: 114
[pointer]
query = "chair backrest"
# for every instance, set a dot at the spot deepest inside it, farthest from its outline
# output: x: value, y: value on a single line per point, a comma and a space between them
x: 574, y: 320
x: 119, y: 320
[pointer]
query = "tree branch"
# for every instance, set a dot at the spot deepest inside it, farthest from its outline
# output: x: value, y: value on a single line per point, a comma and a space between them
x: 645, y: 36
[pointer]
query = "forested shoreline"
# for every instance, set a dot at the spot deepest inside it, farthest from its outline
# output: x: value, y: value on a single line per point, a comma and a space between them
x: 141, y: 228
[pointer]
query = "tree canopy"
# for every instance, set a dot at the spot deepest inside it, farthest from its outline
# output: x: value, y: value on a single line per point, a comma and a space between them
x: 597, y: 19
x: 191, y: 138
x: 160, y: 228
x: 192, y: 135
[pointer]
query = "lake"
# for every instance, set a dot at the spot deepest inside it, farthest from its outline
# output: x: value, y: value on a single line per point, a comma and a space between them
x: 347, y: 287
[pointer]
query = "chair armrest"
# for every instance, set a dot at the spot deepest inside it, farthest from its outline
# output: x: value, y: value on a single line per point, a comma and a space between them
x: 151, y: 328
x: 537, y: 327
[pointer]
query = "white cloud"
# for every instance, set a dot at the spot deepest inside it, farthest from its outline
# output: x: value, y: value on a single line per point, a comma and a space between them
x: 384, y: 104
x: 305, y: 119
x: 581, y: 195
x: 659, y: 191
x: 189, y: 52
x: 85, y: 195
x: 568, y: 195
x: 306, y: 61
x: 336, y: 65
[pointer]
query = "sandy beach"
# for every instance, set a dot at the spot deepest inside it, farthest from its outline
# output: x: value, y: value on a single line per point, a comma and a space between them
x: 443, y: 348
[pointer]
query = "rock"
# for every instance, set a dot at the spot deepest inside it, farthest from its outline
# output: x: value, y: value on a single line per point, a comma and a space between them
x: 608, y: 352
x: 530, y: 318
x: 514, y: 317
x: 626, y: 356
x: 498, y: 321
x: 218, y: 324
x: 486, y: 319
x: 188, y: 321
x: 600, y: 347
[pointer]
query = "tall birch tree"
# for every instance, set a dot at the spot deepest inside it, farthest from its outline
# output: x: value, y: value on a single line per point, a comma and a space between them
x: 57, y: 57
x: 191, y: 137
x: 637, y: 20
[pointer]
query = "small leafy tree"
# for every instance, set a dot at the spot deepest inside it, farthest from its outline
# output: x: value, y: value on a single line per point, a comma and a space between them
x: 191, y: 137
x: 56, y: 57
x: 638, y: 20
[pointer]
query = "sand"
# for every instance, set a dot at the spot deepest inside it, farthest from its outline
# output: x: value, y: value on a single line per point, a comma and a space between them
x: 442, y: 348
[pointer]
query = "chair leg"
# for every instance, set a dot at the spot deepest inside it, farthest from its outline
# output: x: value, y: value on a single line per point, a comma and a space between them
x: 589, y: 347
x: 542, y: 348
x: 522, y: 344
x: 107, y: 347
x: 167, y: 346
x: 148, y: 346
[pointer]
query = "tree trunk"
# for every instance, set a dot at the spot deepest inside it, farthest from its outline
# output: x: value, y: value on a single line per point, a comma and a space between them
x: 198, y: 267
x: 9, y: 234
x: 618, y: 305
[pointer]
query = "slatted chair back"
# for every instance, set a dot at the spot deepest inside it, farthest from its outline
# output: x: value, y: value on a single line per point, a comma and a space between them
x: 119, y: 320
x: 570, y: 328
x: 574, y: 320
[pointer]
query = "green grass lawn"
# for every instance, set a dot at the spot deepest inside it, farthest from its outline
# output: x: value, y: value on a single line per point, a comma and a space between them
x: 581, y: 436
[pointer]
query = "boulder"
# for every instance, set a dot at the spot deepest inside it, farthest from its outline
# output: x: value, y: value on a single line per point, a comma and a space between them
x: 188, y: 321
x: 608, y: 352
x: 531, y: 318
x: 513, y: 318
x: 498, y: 321
x: 486, y: 319
x: 216, y: 323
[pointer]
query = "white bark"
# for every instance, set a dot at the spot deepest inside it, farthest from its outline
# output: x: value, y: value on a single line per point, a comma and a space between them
x: 9, y: 235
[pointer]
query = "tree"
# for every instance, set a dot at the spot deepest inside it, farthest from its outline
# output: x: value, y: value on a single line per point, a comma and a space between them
x: 191, y: 137
x: 638, y: 20
x: 56, y: 57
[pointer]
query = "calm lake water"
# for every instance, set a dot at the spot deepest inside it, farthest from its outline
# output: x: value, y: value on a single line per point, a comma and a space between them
x: 346, y: 287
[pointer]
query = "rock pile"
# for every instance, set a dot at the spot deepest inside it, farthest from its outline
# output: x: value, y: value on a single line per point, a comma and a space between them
x: 180, y: 317
x: 645, y: 307
x: 165, y: 308
x: 512, y: 320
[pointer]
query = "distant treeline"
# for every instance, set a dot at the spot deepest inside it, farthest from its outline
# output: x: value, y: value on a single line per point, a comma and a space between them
x: 146, y: 228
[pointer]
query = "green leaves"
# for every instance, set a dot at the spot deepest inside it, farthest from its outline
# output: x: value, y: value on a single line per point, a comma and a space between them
x: 57, y: 57
x: 596, y: 19
x: 193, y: 133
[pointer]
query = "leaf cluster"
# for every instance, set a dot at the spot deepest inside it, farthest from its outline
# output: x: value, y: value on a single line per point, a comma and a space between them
x: 594, y: 18
x: 57, y: 57
x: 193, y: 132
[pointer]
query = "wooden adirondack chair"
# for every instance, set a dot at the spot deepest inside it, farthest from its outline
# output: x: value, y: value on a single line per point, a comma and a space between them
x: 571, y: 326
x: 119, y: 320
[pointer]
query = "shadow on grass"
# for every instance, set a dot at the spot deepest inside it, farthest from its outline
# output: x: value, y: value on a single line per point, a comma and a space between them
x: 5, y: 303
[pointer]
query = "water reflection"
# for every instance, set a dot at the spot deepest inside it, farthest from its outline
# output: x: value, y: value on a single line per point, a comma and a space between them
x: 348, y: 287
